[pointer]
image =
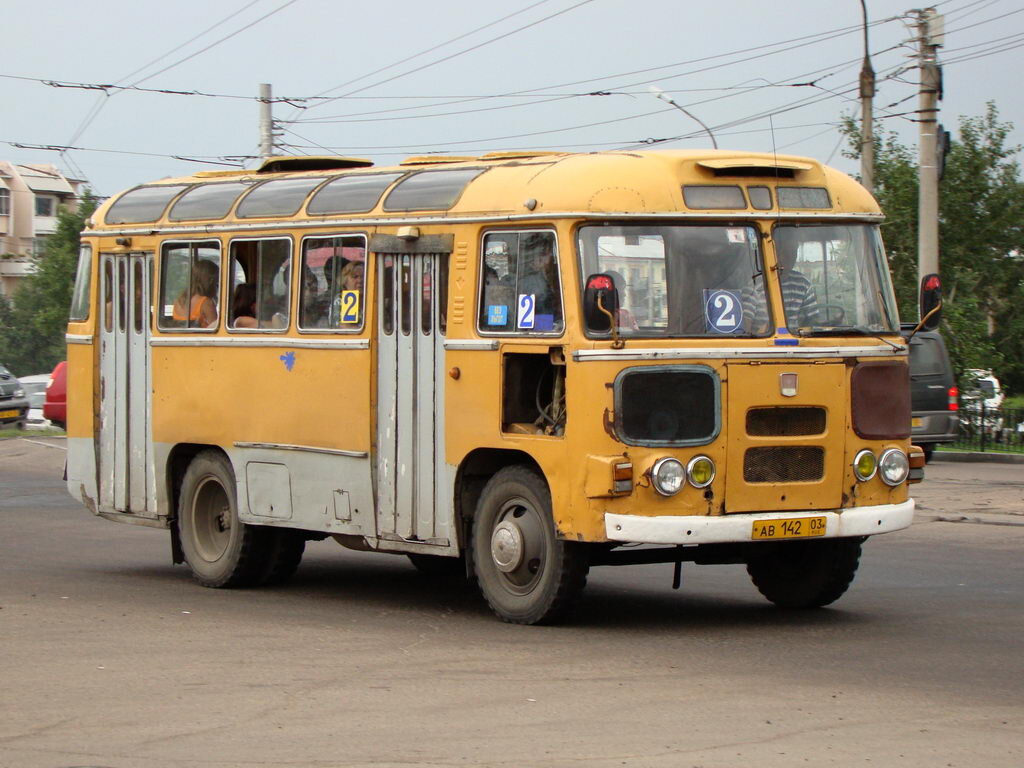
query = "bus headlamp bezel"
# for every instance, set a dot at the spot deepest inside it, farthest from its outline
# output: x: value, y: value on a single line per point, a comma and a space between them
x: 659, y: 480
x: 902, y: 465
x: 856, y: 465
x: 690, y: 469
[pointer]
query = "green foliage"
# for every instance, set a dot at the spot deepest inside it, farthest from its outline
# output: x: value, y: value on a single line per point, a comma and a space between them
x: 981, y: 236
x: 34, y: 320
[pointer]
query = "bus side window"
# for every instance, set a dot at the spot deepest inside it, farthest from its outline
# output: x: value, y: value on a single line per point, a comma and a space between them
x: 190, y: 286
x: 333, y: 288
x: 260, y: 281
x: 519, y: 287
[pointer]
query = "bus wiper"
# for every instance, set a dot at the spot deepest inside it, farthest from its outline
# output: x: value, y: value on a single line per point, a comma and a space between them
x: 845, y: 330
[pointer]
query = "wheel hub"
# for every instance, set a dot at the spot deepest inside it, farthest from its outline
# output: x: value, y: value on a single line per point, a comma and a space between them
x: 507, y: 546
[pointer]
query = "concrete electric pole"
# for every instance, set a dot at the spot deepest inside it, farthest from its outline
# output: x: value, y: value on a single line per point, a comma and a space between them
x: 867, y: 131
x: 266, y: 122
x: 930, y: 27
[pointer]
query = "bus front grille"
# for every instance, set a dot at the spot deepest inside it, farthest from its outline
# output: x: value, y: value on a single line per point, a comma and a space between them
x: 784, y: 464
x: 785, y: 421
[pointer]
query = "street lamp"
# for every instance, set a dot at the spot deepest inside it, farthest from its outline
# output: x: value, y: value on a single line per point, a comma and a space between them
x: 664, y: 97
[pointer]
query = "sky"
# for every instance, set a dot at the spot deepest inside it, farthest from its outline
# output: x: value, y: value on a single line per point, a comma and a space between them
x: 394, y: 78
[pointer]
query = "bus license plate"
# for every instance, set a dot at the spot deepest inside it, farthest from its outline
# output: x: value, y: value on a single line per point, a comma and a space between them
x: 795, y: 528
x: 8, y: 414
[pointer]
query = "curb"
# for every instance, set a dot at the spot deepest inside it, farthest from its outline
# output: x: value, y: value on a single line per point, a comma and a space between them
x: 978, y: 457
x: 982, y: 519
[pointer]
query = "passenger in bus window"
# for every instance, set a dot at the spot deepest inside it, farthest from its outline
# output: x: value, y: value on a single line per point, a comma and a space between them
x: 538, y: 274
x: 352, y: 276
x: 243, y: 306
x: 314, y: 302
x: 798, y: 295
x: 351, y: 280
x: 198, y: 307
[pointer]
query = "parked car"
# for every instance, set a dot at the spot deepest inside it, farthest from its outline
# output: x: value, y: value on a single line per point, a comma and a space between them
x: 13, y: 403
x: 35, y: 392
x: 55, y: 408
x: 933, y: 392
x: 981, y: 399
x: 982, y: 387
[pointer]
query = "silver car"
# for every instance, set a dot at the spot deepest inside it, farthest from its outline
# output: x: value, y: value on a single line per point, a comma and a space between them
x: 13, y: 403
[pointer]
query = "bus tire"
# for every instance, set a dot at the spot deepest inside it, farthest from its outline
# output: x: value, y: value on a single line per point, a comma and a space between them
x: 525, y: 572
x: 805, y: 574
x: 284, y: 550
x: 220, y: 550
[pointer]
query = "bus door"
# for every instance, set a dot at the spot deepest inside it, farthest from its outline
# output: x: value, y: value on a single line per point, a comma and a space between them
x: 414, y: 498
x: 125, y: 474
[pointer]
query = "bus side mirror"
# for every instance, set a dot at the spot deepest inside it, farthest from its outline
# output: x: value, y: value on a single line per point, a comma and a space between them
x: 600, y: 303
x: 930, y: 302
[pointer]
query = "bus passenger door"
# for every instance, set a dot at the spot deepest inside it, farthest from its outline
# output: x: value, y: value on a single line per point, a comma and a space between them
x: 125, y: 475
x: 414, y: 504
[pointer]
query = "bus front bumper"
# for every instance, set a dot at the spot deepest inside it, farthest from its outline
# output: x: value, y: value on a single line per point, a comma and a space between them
x: 739, y: 527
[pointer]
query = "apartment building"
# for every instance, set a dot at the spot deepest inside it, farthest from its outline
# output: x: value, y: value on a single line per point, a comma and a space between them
x: 29, y: 198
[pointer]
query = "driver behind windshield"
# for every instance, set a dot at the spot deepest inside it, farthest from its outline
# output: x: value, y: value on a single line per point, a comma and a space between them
x: 798, y: 295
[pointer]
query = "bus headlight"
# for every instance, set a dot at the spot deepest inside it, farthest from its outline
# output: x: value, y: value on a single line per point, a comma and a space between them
x: 894, y: 466
x: 865, y: 465
x: 700, y: 471
x: 668, y: 476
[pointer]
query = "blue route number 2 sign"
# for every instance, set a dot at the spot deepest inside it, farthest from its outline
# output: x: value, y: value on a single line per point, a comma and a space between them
x: 723, y: 311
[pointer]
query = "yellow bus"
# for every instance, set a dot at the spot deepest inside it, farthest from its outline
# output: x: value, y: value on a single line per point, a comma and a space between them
x: 519, y: 365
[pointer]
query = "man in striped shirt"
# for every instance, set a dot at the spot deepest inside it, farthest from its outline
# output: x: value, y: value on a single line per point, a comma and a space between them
x: 798, y: 295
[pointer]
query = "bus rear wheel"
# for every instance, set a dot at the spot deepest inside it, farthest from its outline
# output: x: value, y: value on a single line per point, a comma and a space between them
x: 284, y: 549
x: 220, y: 550
x: 805, y: 574
x: 525, y: 572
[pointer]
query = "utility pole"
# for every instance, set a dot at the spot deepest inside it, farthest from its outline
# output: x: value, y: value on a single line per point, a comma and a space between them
x: 931, y: 35
x: 266, y: 122
x: 867, y: 130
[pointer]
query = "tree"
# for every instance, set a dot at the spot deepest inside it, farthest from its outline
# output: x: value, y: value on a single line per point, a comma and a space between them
x: 34, y: 320
x: 981, y: 237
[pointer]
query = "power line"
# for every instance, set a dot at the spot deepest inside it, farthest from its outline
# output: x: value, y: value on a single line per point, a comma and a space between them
x: 218, y: 42
x: 190, y: 40
x: 459, y: 53
x: 434, y: 48
x: 62, y: 148
x: 101, y: 102
x: 809, y: 40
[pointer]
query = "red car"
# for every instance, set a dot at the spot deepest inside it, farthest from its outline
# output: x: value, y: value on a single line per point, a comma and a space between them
x: 55, y: 407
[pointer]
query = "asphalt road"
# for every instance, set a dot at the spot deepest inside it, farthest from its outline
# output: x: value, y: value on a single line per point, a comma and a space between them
x: 110, y: 657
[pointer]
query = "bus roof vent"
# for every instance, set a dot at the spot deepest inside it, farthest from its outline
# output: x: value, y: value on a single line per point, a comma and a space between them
x: 775, y: 169
x: 436, y: 159
x: 518, y: 155
x: 219, y: 174
x: 311, y: 163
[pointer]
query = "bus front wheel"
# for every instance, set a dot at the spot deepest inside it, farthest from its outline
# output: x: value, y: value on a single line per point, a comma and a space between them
x: 525, y: 572
x: 804, y: 574
x: 220, y: 550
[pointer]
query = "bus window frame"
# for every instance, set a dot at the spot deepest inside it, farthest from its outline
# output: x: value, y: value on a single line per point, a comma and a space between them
x: 299, y: 264
x: 230, y: 278
x: 158, y: 296
x: 81, y: 296
x: 516, y: 333
x: 764, y: 271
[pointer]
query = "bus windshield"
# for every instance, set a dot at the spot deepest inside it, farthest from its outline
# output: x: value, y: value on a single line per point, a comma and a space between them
x: 680, y: 280
x: 834, y: 279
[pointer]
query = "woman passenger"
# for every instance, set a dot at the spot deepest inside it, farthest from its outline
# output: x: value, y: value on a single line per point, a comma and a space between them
x: 197, y: 308
x: 243, y: 306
